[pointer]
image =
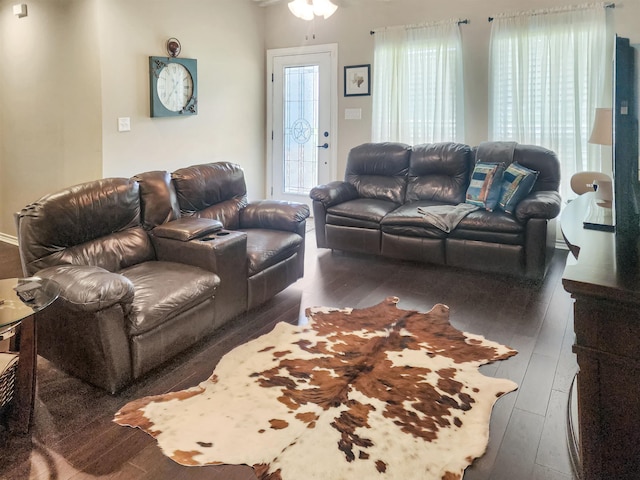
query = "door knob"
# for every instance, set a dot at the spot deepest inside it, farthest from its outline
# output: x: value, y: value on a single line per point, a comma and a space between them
x: 324, y: 145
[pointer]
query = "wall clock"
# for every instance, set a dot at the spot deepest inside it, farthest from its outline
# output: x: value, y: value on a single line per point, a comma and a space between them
x: 173, y: 86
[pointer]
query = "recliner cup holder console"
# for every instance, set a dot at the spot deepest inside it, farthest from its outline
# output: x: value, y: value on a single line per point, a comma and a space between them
x: 215, y: 236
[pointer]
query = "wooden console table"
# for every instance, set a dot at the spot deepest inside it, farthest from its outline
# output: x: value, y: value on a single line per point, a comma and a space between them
x: 604, y: 281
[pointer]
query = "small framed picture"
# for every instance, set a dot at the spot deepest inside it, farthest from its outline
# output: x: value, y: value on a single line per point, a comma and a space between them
x: 357, y: 80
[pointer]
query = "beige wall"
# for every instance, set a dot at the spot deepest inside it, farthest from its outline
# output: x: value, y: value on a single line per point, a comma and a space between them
x: 349, y: 27
x: 226, y: 37
x: 49, y: 94
x: 72, y: 67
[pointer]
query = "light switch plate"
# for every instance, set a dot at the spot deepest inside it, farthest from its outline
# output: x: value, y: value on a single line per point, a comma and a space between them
x: 353, y: 114
x: 624, y: 108
x: 20, y: 10
x: 124, y: 124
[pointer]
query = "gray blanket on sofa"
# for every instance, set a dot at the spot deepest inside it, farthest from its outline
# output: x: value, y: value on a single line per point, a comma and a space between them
x: 446, y: 217
x: 496, y: 152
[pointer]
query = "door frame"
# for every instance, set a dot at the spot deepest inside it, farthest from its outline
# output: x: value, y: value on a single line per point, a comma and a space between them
x: 332, y: 49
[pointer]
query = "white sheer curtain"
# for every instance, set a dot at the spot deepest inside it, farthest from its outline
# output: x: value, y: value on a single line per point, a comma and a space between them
x: 548, y: 72
x: 417, y: 84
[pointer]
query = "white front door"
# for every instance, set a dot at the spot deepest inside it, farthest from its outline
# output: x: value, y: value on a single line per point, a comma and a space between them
x: 302, y: 121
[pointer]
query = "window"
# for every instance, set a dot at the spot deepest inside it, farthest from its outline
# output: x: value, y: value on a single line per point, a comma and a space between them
x: 417, y: 84
x: 548, y: 73
x: 300, y: 105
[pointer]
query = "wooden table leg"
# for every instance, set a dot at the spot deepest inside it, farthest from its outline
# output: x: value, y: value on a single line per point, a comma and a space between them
x: 25, y: 383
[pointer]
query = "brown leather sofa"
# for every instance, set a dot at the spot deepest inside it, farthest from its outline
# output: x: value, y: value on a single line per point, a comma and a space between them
x: 148, y: 266
x: 375, y: 209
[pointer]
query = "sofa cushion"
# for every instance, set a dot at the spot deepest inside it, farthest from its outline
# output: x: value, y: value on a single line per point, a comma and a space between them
x: 534, y: 157
x: 414, y: 231
x: 337, y: 220
x: 492, y: 227
x: 266, y: 248
x: 111, y: 252
x: 379, y: 170
x: 485, y: 186
x: 164, y: 290
x: 517, y: 182
x: 213, y: 190
x: 407, y: 220
x: 366, y: 209
x: 497, y: 221
x: 541, y: 160
x: 439, y: 172
x: 94, y: 223
x: 227, y: 212
x: 158, y: 199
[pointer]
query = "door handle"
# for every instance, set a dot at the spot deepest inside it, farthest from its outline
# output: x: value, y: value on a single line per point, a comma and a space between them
x: 324, y: 145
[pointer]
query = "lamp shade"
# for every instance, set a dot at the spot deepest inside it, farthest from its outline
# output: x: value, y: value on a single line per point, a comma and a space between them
x: 308, y: 9
x: 602, y: 132
x: 301, y: 9
x: 324, y: 8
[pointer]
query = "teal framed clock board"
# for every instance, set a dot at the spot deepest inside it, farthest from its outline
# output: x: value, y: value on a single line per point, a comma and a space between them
x: 173, y: 86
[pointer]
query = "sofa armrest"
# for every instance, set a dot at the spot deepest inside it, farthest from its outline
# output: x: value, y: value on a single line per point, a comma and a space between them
x: 543, y: 204
x: 87, y: 288
x: 274, y: 214
x: 187, y: 228
x: 333, y: 193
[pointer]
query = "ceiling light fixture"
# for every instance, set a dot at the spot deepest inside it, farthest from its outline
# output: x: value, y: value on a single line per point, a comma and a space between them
x: 307, y: 9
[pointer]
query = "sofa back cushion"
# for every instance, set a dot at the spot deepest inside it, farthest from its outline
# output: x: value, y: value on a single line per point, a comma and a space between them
x: 533, y: 157
x: 96, y: 223
x: 543, y: 161
x: 439, y: 172
x: 213, y: 190
x: 379, y: 170
x: 158, y: 199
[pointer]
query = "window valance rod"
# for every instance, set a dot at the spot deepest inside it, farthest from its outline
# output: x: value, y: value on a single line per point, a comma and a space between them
x: 421, y: 25
x: 568, y: 8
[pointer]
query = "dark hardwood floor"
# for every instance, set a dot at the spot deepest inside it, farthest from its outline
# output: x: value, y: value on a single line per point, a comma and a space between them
x: 73, y: 436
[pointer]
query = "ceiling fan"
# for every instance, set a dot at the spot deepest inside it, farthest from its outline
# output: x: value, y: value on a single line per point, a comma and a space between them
x: 340, y: 3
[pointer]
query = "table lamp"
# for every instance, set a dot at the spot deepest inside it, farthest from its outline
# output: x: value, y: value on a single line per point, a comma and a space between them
x: 602, y: 134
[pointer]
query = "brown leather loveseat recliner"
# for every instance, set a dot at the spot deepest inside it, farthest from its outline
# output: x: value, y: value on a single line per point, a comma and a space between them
x: 261, y: 249
x: 150, y: 265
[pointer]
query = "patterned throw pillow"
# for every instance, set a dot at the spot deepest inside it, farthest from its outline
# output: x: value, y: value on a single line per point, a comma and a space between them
x: 485, y: 186
x: 517, y: 182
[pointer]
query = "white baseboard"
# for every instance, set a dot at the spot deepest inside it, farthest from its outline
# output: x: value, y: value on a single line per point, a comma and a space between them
x: 8, y: 239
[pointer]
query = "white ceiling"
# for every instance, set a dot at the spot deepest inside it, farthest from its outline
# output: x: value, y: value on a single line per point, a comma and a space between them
x: 266, y: 3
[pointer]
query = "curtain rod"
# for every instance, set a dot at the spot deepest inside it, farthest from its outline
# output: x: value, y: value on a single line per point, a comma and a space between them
x: 459, y: 22
x: 559, y: 9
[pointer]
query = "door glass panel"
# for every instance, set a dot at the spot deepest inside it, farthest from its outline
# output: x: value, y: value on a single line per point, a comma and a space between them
x: 300, y: 127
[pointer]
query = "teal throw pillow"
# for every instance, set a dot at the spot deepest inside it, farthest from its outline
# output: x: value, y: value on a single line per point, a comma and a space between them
x: 517, y: 182
x: 486, y: 184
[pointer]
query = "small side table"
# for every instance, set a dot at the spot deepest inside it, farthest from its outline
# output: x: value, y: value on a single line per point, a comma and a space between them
x: 15, y: 312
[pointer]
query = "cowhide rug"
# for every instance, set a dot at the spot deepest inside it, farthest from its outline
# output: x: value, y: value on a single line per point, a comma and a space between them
x: 377, y: 392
